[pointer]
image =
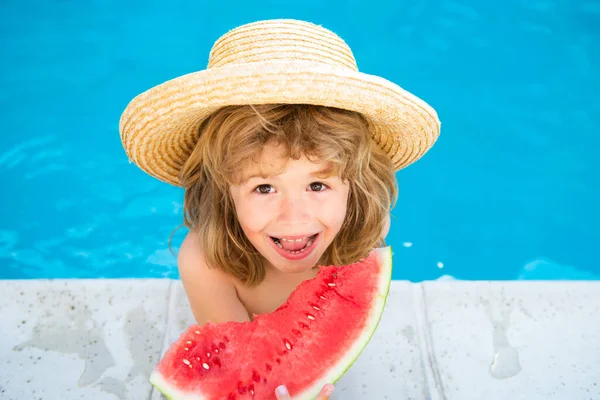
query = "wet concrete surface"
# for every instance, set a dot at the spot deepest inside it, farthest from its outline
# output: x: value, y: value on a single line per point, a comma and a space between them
x: 443, y: 340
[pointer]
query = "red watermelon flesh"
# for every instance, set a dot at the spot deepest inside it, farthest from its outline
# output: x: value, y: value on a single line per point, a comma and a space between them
x: 309, y: 341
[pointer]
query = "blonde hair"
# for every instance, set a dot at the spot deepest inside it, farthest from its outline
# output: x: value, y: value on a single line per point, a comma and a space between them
x: 233, y: 136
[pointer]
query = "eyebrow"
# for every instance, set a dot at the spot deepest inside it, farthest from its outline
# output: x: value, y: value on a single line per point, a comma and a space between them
x: 322, y: 173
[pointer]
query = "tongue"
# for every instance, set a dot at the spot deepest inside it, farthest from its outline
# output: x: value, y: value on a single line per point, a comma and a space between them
x: 293, y: 245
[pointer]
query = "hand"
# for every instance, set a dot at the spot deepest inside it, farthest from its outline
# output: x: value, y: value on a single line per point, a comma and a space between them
x: 282, y: 393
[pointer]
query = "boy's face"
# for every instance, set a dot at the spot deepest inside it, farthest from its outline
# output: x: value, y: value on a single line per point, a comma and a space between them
x: 292, y: 215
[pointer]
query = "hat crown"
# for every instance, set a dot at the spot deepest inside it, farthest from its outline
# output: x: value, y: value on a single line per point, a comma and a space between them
x: 283, y: 41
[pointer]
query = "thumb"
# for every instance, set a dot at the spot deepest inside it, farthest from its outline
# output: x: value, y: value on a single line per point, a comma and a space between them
x: 325, y: 392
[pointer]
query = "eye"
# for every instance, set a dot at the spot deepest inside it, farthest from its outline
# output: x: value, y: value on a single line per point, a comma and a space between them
x: 263, y: 189
x: 317, y: 186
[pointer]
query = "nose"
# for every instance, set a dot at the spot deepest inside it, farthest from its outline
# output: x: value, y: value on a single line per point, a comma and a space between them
x: 294, y: 209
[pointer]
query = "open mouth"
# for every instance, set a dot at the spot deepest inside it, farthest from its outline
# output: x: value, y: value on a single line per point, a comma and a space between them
x: 294, y: 246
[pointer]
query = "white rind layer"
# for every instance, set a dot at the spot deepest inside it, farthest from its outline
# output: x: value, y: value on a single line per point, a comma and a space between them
x: 165, y: 387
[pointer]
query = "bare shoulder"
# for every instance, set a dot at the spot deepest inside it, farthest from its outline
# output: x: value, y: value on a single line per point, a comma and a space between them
x: 210, y: 291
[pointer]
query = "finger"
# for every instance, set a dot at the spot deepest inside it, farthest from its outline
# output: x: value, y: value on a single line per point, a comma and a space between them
x: 282, y: 393
x: 325, y: 392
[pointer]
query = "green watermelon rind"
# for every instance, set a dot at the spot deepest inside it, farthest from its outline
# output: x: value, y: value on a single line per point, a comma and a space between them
x: 165, y: 388
x: 343, y: 365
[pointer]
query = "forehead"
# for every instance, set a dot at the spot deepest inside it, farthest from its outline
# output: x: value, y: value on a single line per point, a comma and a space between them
x: 274, y: 161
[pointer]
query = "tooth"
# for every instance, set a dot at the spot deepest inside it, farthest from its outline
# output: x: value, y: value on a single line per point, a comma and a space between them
x: 294, y: 240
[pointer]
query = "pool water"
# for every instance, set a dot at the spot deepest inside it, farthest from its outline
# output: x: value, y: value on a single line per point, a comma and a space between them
x: 510, y: 191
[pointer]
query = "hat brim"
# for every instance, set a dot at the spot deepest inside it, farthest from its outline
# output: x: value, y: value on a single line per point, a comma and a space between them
x: 159, y: 128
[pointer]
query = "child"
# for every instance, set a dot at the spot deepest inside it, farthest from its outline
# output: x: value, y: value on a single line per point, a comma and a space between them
x: 287, y: 155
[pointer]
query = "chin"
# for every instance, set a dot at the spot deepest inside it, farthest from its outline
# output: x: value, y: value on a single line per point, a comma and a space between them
x: 294, y: 268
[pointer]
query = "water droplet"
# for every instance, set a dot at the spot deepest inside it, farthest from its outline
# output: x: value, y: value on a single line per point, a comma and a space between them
x: 440, y: 264
x: 505, y: 363
x: 408, y: 244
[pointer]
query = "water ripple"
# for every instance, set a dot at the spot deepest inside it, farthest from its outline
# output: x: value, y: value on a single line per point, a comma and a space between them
x: 547, y: 270
x: 8, y: 240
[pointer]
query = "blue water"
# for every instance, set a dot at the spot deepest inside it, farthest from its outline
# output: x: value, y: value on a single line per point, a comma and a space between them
x: 510, y: 191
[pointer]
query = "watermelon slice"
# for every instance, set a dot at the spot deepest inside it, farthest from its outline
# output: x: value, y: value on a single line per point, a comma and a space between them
x: 309, y: 341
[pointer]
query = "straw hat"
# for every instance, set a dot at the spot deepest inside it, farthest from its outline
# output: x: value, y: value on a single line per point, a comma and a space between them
x: 273, y: 61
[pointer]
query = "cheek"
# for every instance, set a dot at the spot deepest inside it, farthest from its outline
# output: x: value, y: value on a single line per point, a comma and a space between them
x: 337, y: 217
x: 333, y: 213
x: 251, y: 218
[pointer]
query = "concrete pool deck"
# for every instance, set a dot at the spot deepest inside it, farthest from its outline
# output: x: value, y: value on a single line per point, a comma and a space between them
x: 440, y: 340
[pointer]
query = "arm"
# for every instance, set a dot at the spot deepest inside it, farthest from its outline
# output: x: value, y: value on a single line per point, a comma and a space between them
x: 210, y: 292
